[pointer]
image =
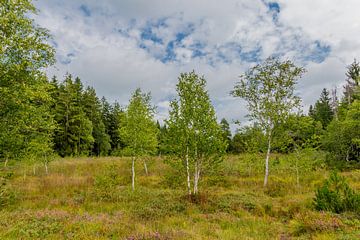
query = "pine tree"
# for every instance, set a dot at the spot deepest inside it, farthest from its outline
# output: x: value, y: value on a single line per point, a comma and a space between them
x: 226, y: 133
x: 73, y: 135
x: 93, y: 111
x: 352, y: 87
x: 112, y: 115
x: 322, y: 111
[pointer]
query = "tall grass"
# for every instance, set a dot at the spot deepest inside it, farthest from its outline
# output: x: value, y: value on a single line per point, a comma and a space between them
x: 91, y: 198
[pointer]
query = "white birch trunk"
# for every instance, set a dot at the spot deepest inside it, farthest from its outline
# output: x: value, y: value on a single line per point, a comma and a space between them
x: 145, y: 167
x: 267, y: 161
x: 188, y: 171
x: 196, y: 178
x: 46, y: 168
x: 133, y: 173
x: 6, y: 162
x: 297, y: 168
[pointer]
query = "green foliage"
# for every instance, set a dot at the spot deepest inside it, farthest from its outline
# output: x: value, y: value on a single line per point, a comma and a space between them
x: 111, y: 116
x: 37, y: 228
x: 342, y: 139
x: 93, y: 111
x: 297, y: 132
x: 278, y: 188
x: 74, y: 132
x: 195, y: 137
x: 152, y: 206
x: 336, y: 196
x: 139, y: 131
x: 106, y: 184
x: 26, y: 124
x: 314, y: 223
x: 7, y: 194
x: 248, y: 139
x: 322, y: 111
x: 226, y: 133
x: 352, y: 87
x: 269, y: 90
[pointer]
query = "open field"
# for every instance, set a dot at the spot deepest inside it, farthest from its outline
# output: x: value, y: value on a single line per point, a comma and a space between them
x: 91, y: 198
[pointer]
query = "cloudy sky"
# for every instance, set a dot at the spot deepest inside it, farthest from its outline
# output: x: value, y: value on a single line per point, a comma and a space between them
x: 119, y: 45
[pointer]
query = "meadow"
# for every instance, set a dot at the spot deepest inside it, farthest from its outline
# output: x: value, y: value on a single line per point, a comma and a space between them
x: 91, y: 198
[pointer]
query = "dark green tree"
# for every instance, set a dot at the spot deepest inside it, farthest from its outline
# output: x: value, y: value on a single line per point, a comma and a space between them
x: 322, y: 110
x: 112, y: 115
x: 73, y: 135
x: 297, y: 132
x: 93, y: 111
x: 342, y: 138
x: 248, y: 139
x: 351, y: 88
x: 226, y: 133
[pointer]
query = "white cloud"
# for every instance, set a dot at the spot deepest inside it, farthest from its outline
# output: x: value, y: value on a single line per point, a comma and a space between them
x: 107, y: 51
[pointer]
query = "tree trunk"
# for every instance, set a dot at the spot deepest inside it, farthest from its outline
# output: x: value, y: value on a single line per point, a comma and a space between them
x: 267, y: 161
x: 133, y: 173
x: 188, y: 171
x: 46, y: 164
x: 145, y: 167
x: 297, y: 172
x: 46, y: 168
x: 196, y: 178
x: 347, y: 154
x: 6, y: 162
x: 34, y: 169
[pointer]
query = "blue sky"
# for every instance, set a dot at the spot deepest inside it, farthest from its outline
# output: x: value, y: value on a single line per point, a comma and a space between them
x: 117, y: 46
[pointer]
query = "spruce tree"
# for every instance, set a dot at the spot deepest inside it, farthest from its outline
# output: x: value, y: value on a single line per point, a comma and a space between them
x: 226, y: 133
x: 93, y: 111
x: 322, y: 110
x: 73, y: 135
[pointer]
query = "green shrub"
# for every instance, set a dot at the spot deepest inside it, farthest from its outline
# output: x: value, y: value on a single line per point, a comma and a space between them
x: 313, y: 222
x: 152, y: 204
x: 277, y: 188
x: 37, y: 228
x: 106, y: 184
x: 336, y: 196
x: 7, y: 195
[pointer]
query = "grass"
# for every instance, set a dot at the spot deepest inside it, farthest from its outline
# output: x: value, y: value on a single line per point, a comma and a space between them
x: 91, y: 198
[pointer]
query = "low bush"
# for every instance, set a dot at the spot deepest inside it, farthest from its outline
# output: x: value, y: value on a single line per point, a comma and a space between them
x: 335, y: 195
x: 7, y: 195
x: 311, y: 222
x: 106, y: 184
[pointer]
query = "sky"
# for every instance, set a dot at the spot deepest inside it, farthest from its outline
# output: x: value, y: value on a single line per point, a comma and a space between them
x: 119, y: 45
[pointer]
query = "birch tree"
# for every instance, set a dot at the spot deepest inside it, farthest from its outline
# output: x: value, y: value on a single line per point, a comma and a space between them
x: 25, y: 119
x: 139, y: 131
x: 195, y: 137
x: 269, y: 90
